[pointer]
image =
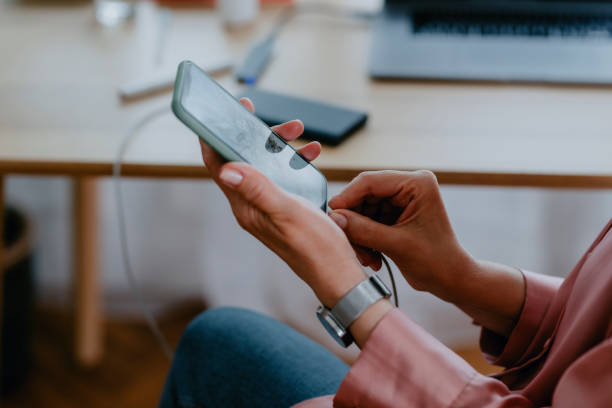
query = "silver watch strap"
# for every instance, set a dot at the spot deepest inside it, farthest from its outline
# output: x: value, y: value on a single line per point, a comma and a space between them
x: 358, y: 299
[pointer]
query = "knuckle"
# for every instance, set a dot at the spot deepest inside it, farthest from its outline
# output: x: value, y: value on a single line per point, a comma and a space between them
x: 422, y: 183
x: 363, y: 176
x: 243, y: 219
x: 420, y: 180
x: 365, y: 179
x: 357, y: 179
x: 367, y: 175
x: 244, y: 224
x: 387, y: 172
x: 254, y: 192
x: 428, y: 176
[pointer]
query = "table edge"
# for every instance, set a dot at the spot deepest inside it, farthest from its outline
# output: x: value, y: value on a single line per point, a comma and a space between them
x: 474, y: 178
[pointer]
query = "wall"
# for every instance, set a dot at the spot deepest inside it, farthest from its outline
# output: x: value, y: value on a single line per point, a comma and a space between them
x: 184, y: 243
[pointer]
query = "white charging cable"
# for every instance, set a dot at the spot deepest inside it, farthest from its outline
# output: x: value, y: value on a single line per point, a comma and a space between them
x: 123, y: 239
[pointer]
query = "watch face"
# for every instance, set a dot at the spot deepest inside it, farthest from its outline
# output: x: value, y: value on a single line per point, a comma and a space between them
x: 334, y: 329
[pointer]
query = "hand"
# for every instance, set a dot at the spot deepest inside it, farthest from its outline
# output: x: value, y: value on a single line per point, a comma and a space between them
x: 301, y: 234
x: 401, y: 214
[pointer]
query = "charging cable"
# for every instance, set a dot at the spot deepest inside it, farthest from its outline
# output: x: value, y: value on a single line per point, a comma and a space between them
x: 123, y: 239
x: 391, y: 278
x: 123, y: 234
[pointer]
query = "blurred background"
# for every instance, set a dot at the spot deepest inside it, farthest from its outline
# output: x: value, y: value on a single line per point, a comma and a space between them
x: 188, y: 252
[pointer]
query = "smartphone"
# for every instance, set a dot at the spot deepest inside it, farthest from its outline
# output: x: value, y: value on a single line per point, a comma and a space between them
x: 223, y: 123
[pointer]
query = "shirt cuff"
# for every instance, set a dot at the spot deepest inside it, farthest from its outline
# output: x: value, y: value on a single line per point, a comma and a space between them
x: 402, y: 362
x: 510, y: 351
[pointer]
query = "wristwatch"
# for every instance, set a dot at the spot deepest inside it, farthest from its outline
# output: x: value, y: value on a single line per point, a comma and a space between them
x: 337, y: 320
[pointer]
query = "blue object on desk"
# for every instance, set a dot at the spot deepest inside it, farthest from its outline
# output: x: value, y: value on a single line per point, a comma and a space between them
x: 256, y: 61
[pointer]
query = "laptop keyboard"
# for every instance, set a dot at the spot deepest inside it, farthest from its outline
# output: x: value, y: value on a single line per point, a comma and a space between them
x: 507, y: 24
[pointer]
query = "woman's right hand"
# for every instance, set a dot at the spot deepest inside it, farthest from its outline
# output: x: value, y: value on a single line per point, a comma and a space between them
x: 401, y: 214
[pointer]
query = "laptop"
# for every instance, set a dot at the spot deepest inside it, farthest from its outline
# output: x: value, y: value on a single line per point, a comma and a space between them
x: 494, y: 40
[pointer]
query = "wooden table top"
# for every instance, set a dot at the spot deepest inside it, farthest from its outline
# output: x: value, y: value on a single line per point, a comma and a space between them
x: 60, y: 112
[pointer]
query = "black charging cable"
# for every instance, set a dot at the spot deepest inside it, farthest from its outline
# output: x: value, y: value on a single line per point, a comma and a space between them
x: 391, y: 278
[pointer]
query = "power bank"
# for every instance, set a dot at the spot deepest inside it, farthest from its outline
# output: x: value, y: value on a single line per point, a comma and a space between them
x: 327, y: 123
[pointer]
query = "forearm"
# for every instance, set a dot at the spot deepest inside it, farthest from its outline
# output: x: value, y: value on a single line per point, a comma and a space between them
x: 492, y: 294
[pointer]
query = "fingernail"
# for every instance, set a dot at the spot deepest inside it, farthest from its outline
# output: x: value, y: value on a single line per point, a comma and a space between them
x: 230, y: 177
x: 339, y: 219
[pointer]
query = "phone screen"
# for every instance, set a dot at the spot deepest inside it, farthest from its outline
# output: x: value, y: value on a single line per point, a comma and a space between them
x: 230, y: 123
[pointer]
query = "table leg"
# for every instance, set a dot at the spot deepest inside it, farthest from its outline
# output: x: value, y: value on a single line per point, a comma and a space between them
x: 88, y: 321
x: 2, y: 179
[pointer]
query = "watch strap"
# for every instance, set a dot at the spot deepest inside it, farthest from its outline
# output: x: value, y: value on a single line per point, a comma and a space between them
x: 358, y: 299
x: 333, y: 327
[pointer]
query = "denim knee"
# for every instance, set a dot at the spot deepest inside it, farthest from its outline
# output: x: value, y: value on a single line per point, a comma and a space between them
x: 207, y: 355
x: 234, y: 357
x: 220, y: 325
x: 221, y: 331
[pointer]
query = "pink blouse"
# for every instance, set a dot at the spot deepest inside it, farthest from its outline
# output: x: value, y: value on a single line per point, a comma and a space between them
x: 559, y: 354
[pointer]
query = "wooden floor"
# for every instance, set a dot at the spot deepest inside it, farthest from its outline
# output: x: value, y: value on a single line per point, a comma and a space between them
x: 132, y: 373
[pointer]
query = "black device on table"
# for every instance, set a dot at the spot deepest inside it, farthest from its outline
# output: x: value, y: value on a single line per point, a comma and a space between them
x: 324, y: 122
x: 500, y: 40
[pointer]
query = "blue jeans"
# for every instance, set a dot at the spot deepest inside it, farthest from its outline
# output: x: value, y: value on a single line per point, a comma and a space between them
x: 232, y: 357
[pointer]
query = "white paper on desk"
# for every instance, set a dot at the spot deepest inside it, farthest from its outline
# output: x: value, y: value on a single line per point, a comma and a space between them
x: 161, y: 79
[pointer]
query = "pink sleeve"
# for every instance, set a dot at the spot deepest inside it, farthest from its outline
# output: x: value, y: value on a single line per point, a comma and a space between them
x: 403, y: 365
x: 586, y: 383
x: 507, y: 352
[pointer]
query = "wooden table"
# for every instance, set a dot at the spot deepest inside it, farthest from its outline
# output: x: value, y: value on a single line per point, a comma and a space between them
x: 60, y: 115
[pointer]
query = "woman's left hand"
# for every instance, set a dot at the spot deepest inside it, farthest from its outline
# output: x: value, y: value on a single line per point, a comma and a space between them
x: 313, y: 246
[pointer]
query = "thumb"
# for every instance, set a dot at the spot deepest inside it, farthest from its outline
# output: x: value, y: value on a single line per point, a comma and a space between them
x: 252, y: 186
x: 364, y: 231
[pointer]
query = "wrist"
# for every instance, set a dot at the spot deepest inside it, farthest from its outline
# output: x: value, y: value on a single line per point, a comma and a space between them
x: 364, y: 325
x: 507, y: 303
x: 335, y: 284
x: 493, y: 294
x: 456, y: 284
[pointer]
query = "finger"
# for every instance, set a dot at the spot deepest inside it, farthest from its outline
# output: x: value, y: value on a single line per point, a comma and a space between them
x: 375, y: 260
x: 289, y: 130
x: 378, y: 184
x: 368, y: 257
x: 359, y: 252
x: 212, y: 160
x: 311, y: 151
x: 363, y: 231
x: 253, y: 187
x: 248, y: 104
